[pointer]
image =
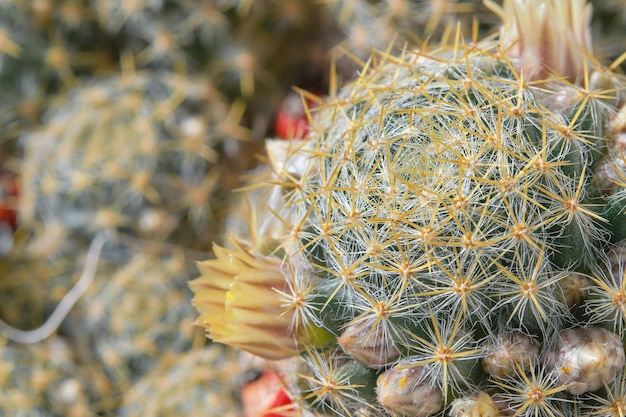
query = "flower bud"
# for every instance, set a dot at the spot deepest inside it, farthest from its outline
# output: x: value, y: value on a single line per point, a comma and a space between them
x: 480, y: 405
x: 505, y: 352
x: 237, y: 295
x: 408, y: 390
x: 547, y: 36
x: 573, y: 289
x: 370, y: 347
x: 586, y: 358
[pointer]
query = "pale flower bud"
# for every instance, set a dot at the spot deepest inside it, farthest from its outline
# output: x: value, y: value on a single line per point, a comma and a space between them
x: 508, y: 351
x: 370, y: 347
x: 549, y: 36
x: 408, y: 390
x: 480, y: 405
x: 586, y: 358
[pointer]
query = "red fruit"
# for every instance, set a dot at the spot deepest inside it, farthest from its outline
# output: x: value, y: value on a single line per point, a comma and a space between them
x: 8, y: 194
x: 291, y: 121
x: 266, y: 397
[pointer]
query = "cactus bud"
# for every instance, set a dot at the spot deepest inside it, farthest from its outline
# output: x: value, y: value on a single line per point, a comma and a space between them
x: 508, y: 351
x: 407, y: 390
x: 548, y: 35
x: 586, y: 358
x: 239, y: 304
x: 480, y: 405
x: 573, y: 289
x: 370, y: 347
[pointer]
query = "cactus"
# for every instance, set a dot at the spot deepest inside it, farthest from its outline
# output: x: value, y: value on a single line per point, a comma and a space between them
x: 375, y: 23
x: 36, y: 274
x: 438, y: 244
x: 42, y: 380
x: 202, y: 382
x: 609, y: 26
x: 142, y: 154
x: 136, y: 312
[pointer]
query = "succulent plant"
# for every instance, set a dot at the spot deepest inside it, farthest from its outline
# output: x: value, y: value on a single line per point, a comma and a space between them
x: 374, y: 24
x: 609, y: 25
x: 42, y: 380
x: 203, y: 382
x: 136, y: 311
x: 438, y: 242
x: 36, y: 274
x: 143, y: 154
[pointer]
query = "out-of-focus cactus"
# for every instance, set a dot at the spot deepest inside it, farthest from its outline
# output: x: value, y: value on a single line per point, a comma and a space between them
x: 436, y: 221
x: 136, y: 311
x: 142, y: 153
x: 36, y: 274
x: 44, y: 48
x: 374, y: 24
x: 609, y: 26
x: 42, y: 380
x: 202, y: 382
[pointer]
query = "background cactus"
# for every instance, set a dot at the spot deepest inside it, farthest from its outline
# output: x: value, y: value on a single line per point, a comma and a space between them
x: 43, y: 380
x: 201, y: 382
x: 152, y: 317
x: 142, y: 154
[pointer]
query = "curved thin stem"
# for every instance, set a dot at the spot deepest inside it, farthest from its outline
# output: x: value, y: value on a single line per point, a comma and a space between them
x: 61, y: 311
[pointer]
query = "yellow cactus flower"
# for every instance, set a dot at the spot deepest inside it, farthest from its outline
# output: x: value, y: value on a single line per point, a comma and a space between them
x: 238, y: 297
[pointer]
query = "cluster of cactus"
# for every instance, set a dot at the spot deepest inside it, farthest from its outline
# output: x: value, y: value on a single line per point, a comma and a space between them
x: 122, y: 119
x: 444, y: 239
x: 448, y: 238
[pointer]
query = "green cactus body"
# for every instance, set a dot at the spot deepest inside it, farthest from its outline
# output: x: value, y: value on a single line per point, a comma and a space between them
x: 447, y: 183
x: 443, y: 202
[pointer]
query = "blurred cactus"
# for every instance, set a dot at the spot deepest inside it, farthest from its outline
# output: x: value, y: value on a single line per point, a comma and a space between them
x: 42, y: 380
x: 202, y: 382
x: 374, y: 24
x: 609, y: 25
x: 36, y: 274
x: 143, y: 154
x: 441, y: 214
x: 136, y: 311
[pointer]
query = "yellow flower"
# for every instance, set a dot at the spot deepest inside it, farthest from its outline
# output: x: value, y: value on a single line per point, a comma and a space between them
x: 238, y: 298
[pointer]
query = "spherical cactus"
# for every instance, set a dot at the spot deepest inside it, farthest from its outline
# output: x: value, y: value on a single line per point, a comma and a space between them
x: 43, y: 380
x: 438, y: 215
x: 37, y: 274
x: 140, y: 153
